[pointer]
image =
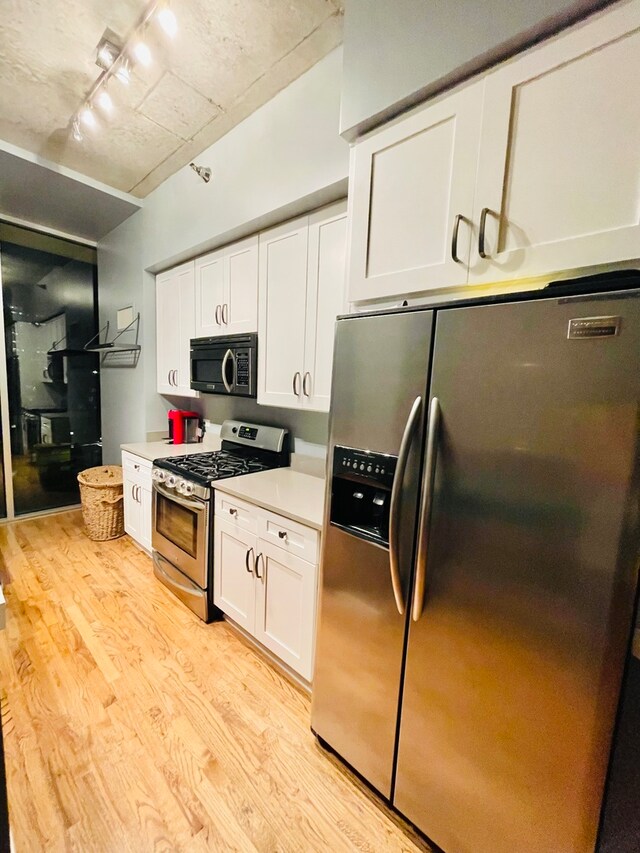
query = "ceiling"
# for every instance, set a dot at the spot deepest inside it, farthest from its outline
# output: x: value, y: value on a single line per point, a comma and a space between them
x: 228, y: 58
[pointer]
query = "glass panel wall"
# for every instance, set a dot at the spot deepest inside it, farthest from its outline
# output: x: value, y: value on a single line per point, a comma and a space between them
x: 49, y: 293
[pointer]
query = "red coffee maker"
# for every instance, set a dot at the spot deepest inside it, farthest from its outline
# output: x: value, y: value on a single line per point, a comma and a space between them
x: 183, y: 427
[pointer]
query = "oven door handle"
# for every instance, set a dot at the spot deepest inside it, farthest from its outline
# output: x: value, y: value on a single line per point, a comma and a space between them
x: 228, y: 355
x: 199, y: 506
x: 157, y: 559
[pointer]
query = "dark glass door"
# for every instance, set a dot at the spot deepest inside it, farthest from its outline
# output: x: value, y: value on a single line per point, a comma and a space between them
x: 52, y: 384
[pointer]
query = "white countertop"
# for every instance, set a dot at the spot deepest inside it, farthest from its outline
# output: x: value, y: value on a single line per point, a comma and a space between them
x: 285, y: 491
x: 161, y: 450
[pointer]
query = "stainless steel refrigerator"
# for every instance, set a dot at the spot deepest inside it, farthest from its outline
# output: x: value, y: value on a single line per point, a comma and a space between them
x: 480, y: 561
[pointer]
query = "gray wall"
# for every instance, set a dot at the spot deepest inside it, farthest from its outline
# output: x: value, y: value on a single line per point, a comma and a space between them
x: 283, y: 159
x: 398, y: 53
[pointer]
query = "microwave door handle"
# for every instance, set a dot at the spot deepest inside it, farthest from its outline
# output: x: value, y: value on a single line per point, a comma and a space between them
x: 425, y: 510
x: 228, y: 355
x: 394, y: 505
x: 198, y: 506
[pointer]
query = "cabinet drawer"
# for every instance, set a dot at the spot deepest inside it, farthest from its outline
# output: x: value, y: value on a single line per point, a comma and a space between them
x: 243, y: 515
x: 289, y: 535
x: 136, y: 469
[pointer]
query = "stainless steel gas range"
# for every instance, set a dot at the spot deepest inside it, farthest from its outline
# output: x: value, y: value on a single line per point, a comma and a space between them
x: 183, y: 488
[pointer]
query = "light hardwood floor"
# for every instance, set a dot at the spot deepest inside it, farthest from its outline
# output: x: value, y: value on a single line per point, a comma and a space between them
x: 131, y: 726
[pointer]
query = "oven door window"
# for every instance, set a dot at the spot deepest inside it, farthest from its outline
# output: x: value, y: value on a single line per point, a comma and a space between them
x: 178, y: 524
x: 206, y: 366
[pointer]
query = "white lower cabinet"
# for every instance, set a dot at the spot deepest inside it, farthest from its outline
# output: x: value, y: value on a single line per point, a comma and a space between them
x: 261, y: 582
x: 136, y: 474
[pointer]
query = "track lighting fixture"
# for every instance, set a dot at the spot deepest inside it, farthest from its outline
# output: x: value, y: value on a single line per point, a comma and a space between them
x: 118, y: 61
x: 104, y: 100
x: 142, y: 53
x: 167, y: 21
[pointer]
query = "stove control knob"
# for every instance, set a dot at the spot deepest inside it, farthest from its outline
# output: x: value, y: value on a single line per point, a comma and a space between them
x: 187, y: 488
x: 159, y: 475
x: 171, y: 481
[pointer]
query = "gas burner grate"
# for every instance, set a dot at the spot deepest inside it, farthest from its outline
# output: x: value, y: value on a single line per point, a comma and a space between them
x: 217, y: 465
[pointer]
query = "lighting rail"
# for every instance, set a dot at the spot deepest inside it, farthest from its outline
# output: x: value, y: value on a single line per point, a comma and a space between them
x: 119, y: 62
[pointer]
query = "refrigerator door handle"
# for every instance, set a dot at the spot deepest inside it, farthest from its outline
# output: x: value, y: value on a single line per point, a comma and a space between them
x: 425, y: 510
x: 394, y: 508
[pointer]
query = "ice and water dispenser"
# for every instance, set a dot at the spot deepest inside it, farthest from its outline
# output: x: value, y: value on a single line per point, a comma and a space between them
x: 361, y: 493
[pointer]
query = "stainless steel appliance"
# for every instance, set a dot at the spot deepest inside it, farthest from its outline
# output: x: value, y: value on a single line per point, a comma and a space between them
x: 480, y: 558
x: 225, y: 365
x: 183, y: 506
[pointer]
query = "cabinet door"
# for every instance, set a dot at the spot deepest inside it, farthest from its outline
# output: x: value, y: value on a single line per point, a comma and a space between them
x: 133, y: 522
x: 282, y: 299
x: 409, y: 185
x: 233, y: 578
x: 286, y: 607
x: 187, y: 328
x: 209, y: 294
x: 558, y: 173
x: 325, y: 300
x: 167, y: 331
x: 145, y: 498
x: 240, y: 311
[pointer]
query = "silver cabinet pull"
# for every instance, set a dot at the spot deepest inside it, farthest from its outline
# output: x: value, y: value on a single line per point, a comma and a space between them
x: 169, y: 377
x: 217, y: 315
x: 304, y: 384
x: 282, y: 534
x: 133, y: 492
x: 394, y: 505
x: 225, y: 314
x: 296, y: 383
x: 482, y: 249
x: 425, y: 509
x: 258, y: 558
x: 454, y: 238
x: 246, y: 561
x: 228, y: 355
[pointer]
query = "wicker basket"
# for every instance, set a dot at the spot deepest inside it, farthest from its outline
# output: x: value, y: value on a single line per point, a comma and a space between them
x: 101, y: 496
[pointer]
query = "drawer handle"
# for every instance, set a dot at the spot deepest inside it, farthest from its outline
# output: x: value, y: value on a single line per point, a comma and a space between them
x: 233, y: 511
x: 282, y: 534
x: 217, y: 316
x: 225, y: 314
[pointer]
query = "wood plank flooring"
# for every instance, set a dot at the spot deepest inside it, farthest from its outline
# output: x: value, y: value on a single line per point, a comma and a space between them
x: 131, y: 726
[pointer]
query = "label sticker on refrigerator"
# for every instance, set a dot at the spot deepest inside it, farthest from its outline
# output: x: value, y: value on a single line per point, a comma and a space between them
x: 593, y: 327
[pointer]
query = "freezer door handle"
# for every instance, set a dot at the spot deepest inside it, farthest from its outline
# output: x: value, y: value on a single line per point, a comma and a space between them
x: 394, y: 508
x: 425, y: 510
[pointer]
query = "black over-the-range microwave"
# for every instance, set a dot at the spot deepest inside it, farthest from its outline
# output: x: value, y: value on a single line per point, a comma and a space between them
x: 225, y: 365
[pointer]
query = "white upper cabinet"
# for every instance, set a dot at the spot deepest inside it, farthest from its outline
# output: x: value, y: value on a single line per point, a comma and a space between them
x: 302, y: 289
x: 558, y: 182
x: 527, y: 172
x: 175, y: 326
x: 241, y: 296
x: 325, y: 300
x: 226, y: 297
x: 210, y: 294
x: 282, y: 309
x: 411, y: 195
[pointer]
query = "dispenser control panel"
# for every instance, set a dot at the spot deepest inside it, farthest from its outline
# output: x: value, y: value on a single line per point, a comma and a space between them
x: 364, y: 465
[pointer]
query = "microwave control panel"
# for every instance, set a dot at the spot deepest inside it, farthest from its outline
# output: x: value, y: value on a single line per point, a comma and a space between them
x: 364, y: 465
x: 243, y: 368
